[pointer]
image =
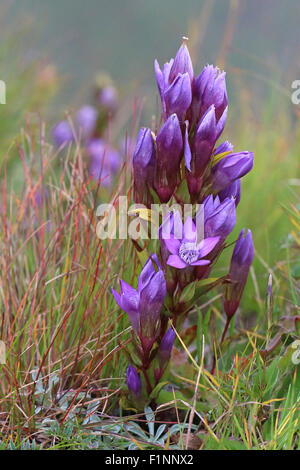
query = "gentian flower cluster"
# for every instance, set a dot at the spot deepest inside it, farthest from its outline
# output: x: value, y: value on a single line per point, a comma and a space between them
x: 182, y: 162
x: 194, y: 111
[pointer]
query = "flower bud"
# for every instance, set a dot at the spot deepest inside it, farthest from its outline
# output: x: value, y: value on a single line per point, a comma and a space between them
x: 174, y: 82
x: 241, y: 261
x: 202, y: 148
x: 178, y: 96
x: 182, y: 63
x: 165, y: 347
x: 134, y: 383
x: 230, y: 168
x: 144, y: 305
x: 209, y: 88
x: 144, y: 167
x: 232, y: 191
x: 169, y: 145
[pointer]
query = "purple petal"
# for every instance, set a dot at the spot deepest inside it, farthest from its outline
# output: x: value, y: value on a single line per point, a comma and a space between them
x: 187, y: 148
x: 129, y: 297
x: 207, y: 245
x: 117, y: 297
x: 173, y: 245
x: 178, y: 96
x: 189, y: 229
x: 201, y: 262
x: 176, y: 262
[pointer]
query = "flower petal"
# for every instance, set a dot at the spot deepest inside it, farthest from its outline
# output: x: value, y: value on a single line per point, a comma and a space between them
x: 176, y: 262
x: 207, y: 245
x: 201, y: 262
x: 189, y: 229
x: 173, y: 245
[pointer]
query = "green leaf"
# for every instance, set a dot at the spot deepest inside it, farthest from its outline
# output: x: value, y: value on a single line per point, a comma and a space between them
x: 188, y: 293
x: 155, y: 392
x: 143, y: 256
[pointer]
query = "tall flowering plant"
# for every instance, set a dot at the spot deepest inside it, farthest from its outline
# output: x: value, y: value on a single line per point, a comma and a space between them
x: 182, y: 162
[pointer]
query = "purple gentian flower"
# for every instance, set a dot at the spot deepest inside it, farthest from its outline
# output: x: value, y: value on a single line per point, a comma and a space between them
x: 209, y: 88
x: 144, y: 167
x: 241, y: 261
x: 86, y: 119
x: 105, y: 162
x: 188, y: 251
x: 182, y: 63
x: 144, y: 305
x: 178, y: 96
x: 175, y: 83
x: 234, y: 188
x: 230, y: 168
x: 219, y: 217
x: 134, y: 383
x: 165, y: 347
x: 62, y: 133
x: 232, y: 191
x: 164, y: 353
x: 206, y: 135
x: 169, y: 146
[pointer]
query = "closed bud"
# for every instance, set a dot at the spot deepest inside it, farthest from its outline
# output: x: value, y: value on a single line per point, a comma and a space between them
x: 241, y: 261
x: 182, y: 63
x: 165, y: 347
x: 169, y: 145
x: 134, y: 383
x: 202, y: 148
x: 174, y: 82
x: 178, y: 96
x: 232, y: 191
x: 144, y: 305
x: 209, y: 89
x: 229, y: 169
x: 144, y: 167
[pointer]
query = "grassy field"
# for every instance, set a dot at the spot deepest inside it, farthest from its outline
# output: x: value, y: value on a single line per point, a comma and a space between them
x: 63, y: 383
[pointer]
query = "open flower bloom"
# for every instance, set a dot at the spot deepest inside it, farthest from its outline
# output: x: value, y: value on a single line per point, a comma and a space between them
x: 187, y: 250
x: 143, y: 305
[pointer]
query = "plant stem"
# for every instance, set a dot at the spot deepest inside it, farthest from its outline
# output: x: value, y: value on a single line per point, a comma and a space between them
x: 228, y: 320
